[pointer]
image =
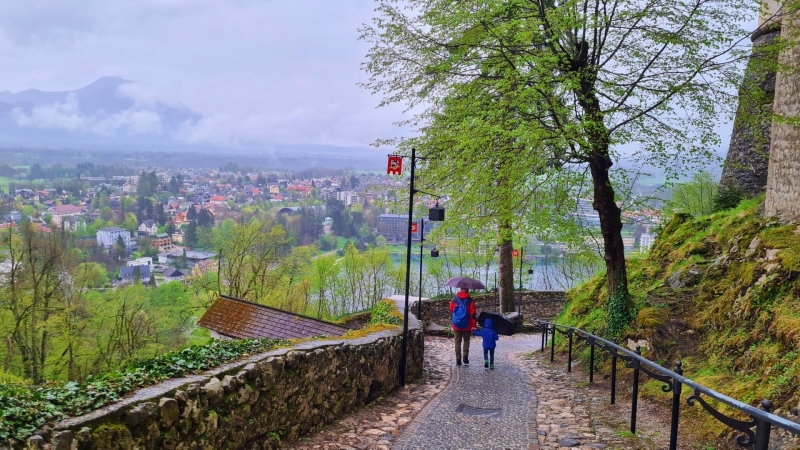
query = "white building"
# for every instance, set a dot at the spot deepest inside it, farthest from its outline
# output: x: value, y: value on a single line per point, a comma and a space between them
x: 107, y: 237
x: 348, y: 197
x: 144, y: 261
x: 646, y: 241
x: 149, y: 226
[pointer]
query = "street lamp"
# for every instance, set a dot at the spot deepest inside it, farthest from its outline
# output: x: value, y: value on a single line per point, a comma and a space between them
x: 394, y: 167
x: 434, y: 254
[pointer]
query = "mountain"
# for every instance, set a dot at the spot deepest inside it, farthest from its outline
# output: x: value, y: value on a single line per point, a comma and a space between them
x: 111, y: 114
x: 101, y: 114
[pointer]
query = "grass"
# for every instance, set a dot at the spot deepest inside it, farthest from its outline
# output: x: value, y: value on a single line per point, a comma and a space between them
x: 4, y: 183
x: 743, y: 310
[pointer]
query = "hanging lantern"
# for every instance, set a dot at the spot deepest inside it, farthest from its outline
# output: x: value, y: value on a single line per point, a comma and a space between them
x: 436, y: 214
x: 530, y: 270
x: 435, y: 252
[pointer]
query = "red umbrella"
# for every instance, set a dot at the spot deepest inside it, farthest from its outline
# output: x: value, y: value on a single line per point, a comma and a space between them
x: 465, y: 282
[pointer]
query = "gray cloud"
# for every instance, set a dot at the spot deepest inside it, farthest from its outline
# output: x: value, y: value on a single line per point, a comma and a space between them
x: 257, y: 71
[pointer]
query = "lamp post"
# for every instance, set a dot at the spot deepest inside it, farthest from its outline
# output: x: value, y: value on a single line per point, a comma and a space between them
x: 421, y: 245
x: 434, y: 254
x: 435, y: 214
x: 411, y: 191
x: 521, y: 251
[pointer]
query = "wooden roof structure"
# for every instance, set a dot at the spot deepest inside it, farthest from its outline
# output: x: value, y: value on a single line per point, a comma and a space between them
x: 241, y: 319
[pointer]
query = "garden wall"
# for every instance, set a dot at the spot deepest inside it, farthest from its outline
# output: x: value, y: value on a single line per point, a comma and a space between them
x: 538, y: 304
x: 253, y: 404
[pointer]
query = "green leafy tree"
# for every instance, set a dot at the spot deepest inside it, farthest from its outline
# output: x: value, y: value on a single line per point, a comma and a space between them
x: 694, y: 197
x: 589, y: 77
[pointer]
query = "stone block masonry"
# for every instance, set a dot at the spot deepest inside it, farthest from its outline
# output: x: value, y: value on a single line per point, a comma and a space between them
x: 538, y: 304
x: 252, y: 404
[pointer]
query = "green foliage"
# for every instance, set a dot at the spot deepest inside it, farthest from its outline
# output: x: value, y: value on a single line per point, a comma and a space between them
x: 728, y: 197
x: 742, y: 310
x: 25, y: 408
x: 619, y: 315
x: 385, y: 313
x: 695, y: 197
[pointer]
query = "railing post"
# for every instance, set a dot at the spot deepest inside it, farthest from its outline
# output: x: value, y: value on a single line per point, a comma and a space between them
x: 763, y: 428
x: 635, y: 395
x: 553, y: 344
x: 569, y: 358
x: 544, y: 335
x: 591, y: 360
x: 614, y: 374
x: 676, y: 405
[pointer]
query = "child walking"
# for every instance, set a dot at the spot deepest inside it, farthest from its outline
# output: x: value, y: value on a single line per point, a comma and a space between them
x: 490, y: 336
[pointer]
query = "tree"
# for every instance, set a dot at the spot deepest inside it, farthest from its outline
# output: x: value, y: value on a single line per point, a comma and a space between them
x: 589, y: 76
x: 137, y: 275
x: 694, y: 197
x: 120, y: 245
x: 191, y: 233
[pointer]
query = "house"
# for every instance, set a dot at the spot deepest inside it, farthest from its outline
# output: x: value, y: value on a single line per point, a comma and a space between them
x: 646, y: 240
x: 192, y: 256
x: 127, y: 274
x: 163, y: 242
x: 149, y: 226
x: 144, y: 261
x: 60, y: 212
x: 179, y: 219
x: 274, y: 189
x: 216, y: 200
x: 74, y: 223
x: 107, y: 237
x: 128, y: 188
x: 393, y: 227
x: 348, y: 197
x: 173, y: 274
x: 233, y: 318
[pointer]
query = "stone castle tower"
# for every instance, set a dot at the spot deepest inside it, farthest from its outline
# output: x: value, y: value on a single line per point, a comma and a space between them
x: 748, y: 154
x: 764, y: 152
x: 783, y: 178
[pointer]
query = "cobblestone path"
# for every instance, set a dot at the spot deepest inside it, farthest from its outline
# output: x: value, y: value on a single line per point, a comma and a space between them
x: 440, y: 426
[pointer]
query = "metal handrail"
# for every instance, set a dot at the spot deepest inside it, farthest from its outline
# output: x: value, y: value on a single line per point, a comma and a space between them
x: 762, y: 419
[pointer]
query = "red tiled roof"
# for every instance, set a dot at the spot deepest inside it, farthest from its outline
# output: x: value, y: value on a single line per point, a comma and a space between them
x: 241, y: 319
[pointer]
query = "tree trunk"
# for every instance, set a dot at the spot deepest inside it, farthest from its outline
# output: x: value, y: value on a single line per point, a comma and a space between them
x: 613, y: 248
x: 604, y: 202
x: 506, y: 269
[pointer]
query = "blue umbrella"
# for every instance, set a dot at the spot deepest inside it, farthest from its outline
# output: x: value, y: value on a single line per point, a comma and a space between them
x: 464, y: 282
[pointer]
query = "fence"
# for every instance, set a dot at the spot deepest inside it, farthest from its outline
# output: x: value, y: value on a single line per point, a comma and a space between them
x: 756, y: 431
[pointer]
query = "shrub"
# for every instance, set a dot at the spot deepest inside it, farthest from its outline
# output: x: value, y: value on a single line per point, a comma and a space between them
x: 385, y: 313
x: 24, y: 408
x: 728, y: 196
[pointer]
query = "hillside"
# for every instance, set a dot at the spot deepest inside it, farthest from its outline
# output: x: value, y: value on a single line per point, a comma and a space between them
x: 721, y: 293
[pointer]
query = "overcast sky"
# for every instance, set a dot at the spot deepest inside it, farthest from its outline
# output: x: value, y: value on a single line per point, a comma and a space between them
x: 281, y: 71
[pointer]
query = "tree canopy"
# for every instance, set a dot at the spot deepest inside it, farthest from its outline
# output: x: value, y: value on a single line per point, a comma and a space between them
x: 581, y: 80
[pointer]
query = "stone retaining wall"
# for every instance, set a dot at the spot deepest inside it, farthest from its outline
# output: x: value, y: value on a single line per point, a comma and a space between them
x: 539, y: 304
x: 253, y: 404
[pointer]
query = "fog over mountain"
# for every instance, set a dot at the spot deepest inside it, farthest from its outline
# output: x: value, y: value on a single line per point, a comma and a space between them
x: 117, y: 114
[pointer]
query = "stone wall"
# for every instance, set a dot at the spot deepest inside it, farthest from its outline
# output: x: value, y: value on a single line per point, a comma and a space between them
x: 748, y: 154
x: 253, y: 404
x: 783, y: 179
x: 539, y: 304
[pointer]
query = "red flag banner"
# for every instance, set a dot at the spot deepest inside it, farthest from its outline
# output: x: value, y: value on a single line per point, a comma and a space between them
x: 515, y: 253
x: 395, y: 166
x: 414, y: 227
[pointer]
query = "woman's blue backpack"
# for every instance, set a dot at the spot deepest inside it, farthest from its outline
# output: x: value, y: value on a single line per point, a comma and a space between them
x: 460, y: 314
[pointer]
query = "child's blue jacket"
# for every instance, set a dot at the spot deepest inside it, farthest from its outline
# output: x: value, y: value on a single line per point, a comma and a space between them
x: 488, y: 333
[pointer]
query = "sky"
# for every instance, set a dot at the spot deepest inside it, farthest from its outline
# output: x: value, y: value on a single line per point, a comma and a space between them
x: 256, y: 70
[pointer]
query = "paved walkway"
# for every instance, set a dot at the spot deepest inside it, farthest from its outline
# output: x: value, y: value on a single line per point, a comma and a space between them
x: 440, y: 426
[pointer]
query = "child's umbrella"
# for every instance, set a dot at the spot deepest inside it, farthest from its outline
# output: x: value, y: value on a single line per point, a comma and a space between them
x: 501, y: 324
